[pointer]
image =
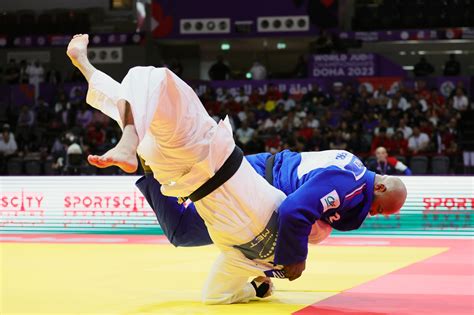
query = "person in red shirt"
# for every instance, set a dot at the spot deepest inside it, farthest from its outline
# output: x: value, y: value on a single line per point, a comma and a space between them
x: 399, y: 144
x: 381, y: 140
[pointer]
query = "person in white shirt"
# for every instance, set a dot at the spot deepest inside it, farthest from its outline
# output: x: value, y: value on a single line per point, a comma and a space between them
x: 406, y: 130
x: 258, y: 71
x: 460, y: 101
x: 8, y: 144
x: 241, y: 97
x: 35, y: 74
x: 398, y: 101
x: 312, y: 121
x: 244, y: 133
x: 286, y: 102
x: 418, y: 142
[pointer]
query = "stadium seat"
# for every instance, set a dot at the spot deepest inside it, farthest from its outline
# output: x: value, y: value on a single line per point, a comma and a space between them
x: 48, y: 168
x: 15, y: 166
x: 74, y: 164
x: 32, y: 167
x: 419, y: 164
x: 440, y: 164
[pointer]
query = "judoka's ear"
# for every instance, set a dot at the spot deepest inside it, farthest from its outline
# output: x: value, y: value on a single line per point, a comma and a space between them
x: 380, y: 188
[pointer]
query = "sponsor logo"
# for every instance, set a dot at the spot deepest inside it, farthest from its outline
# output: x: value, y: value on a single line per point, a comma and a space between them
x: 21, y: 208
x: 330, y: 201
x: 449, y: 205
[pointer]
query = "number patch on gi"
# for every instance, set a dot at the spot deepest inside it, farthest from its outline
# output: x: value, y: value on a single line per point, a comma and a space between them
x: 330, y: 201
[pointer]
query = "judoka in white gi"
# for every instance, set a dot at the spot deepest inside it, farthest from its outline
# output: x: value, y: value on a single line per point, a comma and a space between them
x: 165, y: 123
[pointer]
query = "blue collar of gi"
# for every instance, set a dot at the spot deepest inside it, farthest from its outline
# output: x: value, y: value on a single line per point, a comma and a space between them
x: 369, y: 196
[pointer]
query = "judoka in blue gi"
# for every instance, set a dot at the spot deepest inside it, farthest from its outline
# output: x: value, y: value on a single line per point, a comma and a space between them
x: 332, y: 188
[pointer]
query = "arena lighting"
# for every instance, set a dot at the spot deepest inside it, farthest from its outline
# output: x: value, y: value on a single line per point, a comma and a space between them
x: 402, y: 53
x: 281, y: 45
x: 205, y: 26
x: 225, y: 46
x: 248, y: 75
x: 408, y: 68
x: 457, y: 52
x: 421, y: 52
x: 296, y: 23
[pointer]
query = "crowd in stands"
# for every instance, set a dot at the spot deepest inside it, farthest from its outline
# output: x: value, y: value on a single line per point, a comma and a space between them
x: 407, y: 122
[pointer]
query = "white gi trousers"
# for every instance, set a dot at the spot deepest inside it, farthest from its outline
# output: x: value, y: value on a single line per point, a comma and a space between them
x: 184, y: 147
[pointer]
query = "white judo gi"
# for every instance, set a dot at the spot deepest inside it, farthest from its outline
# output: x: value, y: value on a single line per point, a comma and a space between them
x: 184, y: 147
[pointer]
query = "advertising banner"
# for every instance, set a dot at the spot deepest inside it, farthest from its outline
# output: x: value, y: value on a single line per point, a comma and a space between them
x: 436, y: 206
x: 352, y: 65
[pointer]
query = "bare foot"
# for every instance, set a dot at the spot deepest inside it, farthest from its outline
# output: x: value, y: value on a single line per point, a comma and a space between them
x: 77, y: 49
x: 124, y: 159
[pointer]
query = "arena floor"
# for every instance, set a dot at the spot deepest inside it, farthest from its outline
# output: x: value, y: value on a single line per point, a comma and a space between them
x: 65, y: 274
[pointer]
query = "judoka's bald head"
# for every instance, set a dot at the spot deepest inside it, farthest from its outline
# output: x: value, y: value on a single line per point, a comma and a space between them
x: 390, y: 194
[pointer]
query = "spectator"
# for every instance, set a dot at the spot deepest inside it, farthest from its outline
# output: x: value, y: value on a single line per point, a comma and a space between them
x: 286, y: 102
x: 324, y: 43
x: 398, y: 101
x: 255, y: 145
x: 53, y: 76
x: 406, y: 130
x: 418, y: 142
x: 35, y: 74
x: 399, y: 144
x: 219, y: 71
x: 452, y: 67
x: 387, y: 165
x: 96, y: 137
x: 423, y: 68
x: 12, y: 73
x: 241, y: 97
x: 460, y: 101
x: 443, y: 141
x: 8, y: 144
x: 381, y: 140
x: 337, y: 142
x: 84, y: 116
x: 301, y: 68
x: 258, y: 71
x: 244, y: 133
x: 23, y: 67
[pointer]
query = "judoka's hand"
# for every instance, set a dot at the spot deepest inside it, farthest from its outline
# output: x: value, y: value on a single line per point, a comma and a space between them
x: 294, y: 271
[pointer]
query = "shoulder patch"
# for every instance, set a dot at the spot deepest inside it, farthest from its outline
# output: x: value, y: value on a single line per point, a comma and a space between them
x: 330, y: 201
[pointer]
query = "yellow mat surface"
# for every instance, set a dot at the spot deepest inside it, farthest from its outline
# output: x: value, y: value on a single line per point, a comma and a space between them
x: 161, y: 279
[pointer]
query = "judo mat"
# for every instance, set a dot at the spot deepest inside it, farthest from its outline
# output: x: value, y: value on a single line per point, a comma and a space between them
x: 139, y: 274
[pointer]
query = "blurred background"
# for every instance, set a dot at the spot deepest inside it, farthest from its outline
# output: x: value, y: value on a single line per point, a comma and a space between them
x: 291, y: 74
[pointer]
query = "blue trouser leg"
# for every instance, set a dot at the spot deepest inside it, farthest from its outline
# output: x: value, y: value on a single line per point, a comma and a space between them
x: 182, y: 226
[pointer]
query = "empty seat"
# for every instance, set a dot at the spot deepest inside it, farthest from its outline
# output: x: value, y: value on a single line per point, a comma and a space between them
x: 32, y: 167
x: 419, y: 164
x: 440, y: 164
x: 15, y: 166
x: 48, y: 168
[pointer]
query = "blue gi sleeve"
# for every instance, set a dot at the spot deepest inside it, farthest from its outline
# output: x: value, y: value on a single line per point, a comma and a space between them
x: 301, y: 209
